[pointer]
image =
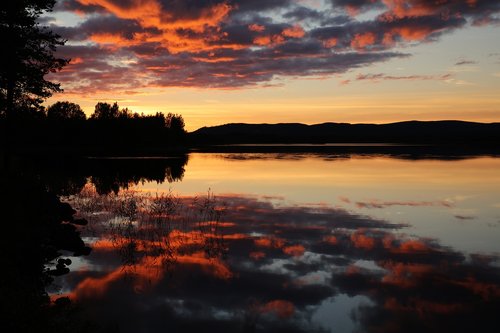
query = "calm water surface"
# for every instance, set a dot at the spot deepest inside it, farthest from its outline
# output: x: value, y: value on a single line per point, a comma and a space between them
x: 294, y: 243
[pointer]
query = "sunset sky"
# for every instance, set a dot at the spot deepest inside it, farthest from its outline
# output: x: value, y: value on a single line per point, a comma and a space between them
x: 309, y: 61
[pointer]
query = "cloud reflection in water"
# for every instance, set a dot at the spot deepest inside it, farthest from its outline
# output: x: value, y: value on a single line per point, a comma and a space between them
x: 239, y: 263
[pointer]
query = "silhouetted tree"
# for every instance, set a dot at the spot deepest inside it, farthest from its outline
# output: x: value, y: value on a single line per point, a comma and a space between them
x: 65, y: 111
x: 105, y: 111
x: 27, y: 55
x: 127, y: 114
x: 175, y: 123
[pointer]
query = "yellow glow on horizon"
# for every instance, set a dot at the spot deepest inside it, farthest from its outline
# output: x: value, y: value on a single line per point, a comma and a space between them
x: 202, y: 108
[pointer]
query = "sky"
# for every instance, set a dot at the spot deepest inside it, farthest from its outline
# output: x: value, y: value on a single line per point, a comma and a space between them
x: 272, y: 61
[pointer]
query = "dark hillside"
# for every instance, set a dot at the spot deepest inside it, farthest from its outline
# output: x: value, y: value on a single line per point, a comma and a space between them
x: 425, y: 132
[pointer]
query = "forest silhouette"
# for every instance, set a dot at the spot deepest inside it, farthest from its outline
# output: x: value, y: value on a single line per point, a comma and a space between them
x: 64, y: 128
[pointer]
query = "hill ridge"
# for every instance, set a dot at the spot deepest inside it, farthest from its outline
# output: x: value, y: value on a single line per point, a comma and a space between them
x: 413, y: 131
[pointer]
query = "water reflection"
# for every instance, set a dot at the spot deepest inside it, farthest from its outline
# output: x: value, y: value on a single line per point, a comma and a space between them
x: 247, y: 263
x: 39, y: 233
x: 430, y: 195
x: 331, y: 152
x: 244, y: 263
x: 41, y: 236
x: 65, y: 176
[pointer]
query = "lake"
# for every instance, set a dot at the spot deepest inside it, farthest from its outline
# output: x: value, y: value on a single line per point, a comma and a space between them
x: 288, y: 242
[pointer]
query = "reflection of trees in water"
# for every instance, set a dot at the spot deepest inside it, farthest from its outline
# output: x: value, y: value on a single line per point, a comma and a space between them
x: 339, y: 153
x: 37, y: 229
x: 66, y: 176
x: 156, y: 228
x: 111, y: 175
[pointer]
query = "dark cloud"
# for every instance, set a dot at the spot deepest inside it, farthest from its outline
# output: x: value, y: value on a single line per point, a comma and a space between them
x: 354, y: 7
x: 77, y: 7
x: 384, y: 204
x: 105, y: 24
x: 240, y: 43
x: 384, y: 77
x: 465, y: 62
x: 254, y: 6
x: 465, y: 217
x: 304, y: 13
x: 255, y: 67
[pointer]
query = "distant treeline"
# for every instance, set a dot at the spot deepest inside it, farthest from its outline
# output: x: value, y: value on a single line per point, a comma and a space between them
x: 414, y: 132
x: 64, y: 127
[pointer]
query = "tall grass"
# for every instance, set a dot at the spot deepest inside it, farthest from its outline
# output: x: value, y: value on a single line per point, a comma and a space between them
x: 157, y: 226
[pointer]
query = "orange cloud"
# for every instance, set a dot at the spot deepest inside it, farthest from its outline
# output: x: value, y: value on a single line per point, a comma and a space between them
x: 150, y: 14
x: 142, y: 9
x: 104, y: 245
x: 214, y: 60
x: 233, y: 236
x: 283, y: 309
x: 404, y: 275
x: 413, y: 33
x: 488, y: 291
x: 351, y: 10
x: 331, y: 42
x: 257, y: 255
x: 269, y: 242
x: 409, y: 8
x: 294, y: 32
x: 146, y: 274
x: 331, y: 240
x: 291, y: 32
x: 216, y: 223
x: 388, y: 241
x: 294, y: 250
x: 114, y: 40
x: 213, y: 267
x: 256, y: 27
x: 360, y: 240
x: 76, y: 61
x: 361, y: 41
x: 413, y: 246
x: 262, y: 40
x: 268, y: 40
